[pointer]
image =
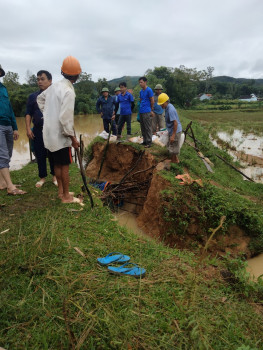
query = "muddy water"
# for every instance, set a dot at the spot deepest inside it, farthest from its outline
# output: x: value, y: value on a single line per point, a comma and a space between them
x: 248, y: 150
x: 89, y: 126
x: 255, y: 266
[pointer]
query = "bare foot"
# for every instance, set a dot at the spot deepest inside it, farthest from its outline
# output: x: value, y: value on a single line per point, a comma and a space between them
x: 60, y: 195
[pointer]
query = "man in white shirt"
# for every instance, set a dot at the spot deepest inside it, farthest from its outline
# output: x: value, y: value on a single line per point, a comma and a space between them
x: 57, y: 105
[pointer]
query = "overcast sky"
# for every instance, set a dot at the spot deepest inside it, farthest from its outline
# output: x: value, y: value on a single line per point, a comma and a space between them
x: 116, y: 38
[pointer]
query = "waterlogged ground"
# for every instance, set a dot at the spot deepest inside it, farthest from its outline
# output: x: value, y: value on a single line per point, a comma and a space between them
x: 247, y: 148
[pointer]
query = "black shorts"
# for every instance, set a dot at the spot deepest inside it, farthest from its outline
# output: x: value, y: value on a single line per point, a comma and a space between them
x: 61, y: 157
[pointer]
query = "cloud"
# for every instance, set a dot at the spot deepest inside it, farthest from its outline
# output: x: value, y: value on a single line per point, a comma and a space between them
x: 112, y: 39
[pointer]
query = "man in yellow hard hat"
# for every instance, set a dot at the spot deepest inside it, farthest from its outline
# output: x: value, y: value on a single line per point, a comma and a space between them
x: 173, y: 126
x: 57, y: 105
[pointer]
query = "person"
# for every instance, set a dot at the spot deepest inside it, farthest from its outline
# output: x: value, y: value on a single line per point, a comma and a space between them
x: 8, y: 133
x: 33, y: 113
x: 117, y: 91
x: 146, y: 112
x: 126, y: 102
x: 173, y: 126
x: 57, y: 105
x: 105, y: 107
x: 158, y: 118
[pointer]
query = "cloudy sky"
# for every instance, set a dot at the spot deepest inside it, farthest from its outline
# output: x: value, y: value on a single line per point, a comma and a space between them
x: 116, y: 38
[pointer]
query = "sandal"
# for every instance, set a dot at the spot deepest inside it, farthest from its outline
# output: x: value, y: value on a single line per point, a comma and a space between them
x: 134, y: 270
x: 114, y: 257
x: 15, y: 192
x: 40, y: 183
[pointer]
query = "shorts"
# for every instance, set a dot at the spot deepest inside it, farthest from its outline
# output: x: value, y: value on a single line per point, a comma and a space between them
x: 61, y: 157
x: 174, y: 148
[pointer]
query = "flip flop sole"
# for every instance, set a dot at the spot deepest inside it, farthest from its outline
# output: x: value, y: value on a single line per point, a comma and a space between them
x: 135, y: 272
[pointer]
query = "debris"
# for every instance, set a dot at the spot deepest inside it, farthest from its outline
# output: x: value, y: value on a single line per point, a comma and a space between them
x: 80, y: 252
x: 187, y: 180
x: 4, y: 231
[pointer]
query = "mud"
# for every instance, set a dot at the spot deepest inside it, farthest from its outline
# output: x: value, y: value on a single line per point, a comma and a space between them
x: 150, y: 211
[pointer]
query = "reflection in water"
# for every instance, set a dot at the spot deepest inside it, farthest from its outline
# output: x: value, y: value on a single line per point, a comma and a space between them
x: 255, y: 266
x: 89, y: 126
x: 249, y: 145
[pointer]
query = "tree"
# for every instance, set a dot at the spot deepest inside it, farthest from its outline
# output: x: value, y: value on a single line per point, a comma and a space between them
x: 101, y: 84
x: 11, y: 80
x: 31, y: 79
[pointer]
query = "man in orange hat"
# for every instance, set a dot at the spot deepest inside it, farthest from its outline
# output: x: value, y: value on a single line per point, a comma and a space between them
x: 57, y: 105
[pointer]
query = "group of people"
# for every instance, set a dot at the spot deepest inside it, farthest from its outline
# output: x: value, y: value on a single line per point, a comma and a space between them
x: 118, y: 109
x: 51, y: 109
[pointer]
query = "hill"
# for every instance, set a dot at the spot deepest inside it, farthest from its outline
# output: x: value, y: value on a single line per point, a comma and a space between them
x: 131, y: 81
x: 227, y: 79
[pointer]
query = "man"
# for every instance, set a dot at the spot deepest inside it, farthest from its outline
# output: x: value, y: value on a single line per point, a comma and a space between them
x: 33, y: 113
x: 8, y: 133
x: 105, y: 105
x: 57, y: 105
x: 173, y: 126
x: 146, y: 112
x: 126, y: 102
x: 117, y: 91
x: 158, y: 118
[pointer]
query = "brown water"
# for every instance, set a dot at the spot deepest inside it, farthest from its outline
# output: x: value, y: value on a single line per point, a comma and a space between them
x: 255, y: 266
x: 89, y: 126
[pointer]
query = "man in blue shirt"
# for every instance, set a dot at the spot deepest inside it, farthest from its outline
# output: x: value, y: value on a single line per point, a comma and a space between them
x: 8, y: 133
x: 117, y: 91
x: 33, y: 113
x: 105, y: 105
x: 146, y: 112
x: 126, y: 102
x: 173, y: 126
x: 158, y: 119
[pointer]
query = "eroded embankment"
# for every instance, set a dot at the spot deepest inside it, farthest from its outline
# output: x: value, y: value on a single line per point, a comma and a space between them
x: 170, y: 213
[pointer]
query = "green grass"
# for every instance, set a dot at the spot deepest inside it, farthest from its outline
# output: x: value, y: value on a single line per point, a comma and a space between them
x: 55, y: 297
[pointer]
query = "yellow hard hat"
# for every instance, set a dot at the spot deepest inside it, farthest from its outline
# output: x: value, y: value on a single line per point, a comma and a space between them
x: 71, y: 66
x: 162, y: 98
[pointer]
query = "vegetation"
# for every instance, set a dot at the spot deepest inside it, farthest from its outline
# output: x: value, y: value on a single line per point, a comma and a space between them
x: 55, y: 296
x: 182, y: 84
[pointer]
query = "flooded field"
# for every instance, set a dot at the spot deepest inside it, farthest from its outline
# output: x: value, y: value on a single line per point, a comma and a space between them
x: 89, y: 126
x: 247, y: 148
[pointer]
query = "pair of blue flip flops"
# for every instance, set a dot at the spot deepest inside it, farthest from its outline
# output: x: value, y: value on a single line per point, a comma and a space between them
x: 127, y: 269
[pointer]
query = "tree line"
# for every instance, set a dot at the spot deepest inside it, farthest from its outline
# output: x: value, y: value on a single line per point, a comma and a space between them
x: 182, y: 85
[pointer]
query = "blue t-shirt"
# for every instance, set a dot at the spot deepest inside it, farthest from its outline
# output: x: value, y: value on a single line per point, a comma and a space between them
x: 170, y: 116
x: 145, y: 95
x: 125, y: 103
x: 33, y: 110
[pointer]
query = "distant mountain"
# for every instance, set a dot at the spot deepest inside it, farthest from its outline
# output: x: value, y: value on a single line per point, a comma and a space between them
x: 131, y: 81
x: 226, y: 79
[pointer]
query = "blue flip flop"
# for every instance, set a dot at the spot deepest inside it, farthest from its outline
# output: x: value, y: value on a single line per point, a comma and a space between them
x: 134, y: 270
x: 114, y: 257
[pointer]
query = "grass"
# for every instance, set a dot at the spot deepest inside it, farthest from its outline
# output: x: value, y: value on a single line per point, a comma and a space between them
x: 55, y: 296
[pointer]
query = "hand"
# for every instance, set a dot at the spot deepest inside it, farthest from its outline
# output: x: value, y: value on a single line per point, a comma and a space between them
x: 172, y: 138
x: 16, y: 135
x: 113, y: 117
x: 101, y: 114
x: 75, y: 142
x: 30, y: 134
x: 152, y: 113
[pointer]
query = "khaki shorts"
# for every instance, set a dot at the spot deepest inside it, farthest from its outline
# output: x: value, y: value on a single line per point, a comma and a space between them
x: 174, y: 148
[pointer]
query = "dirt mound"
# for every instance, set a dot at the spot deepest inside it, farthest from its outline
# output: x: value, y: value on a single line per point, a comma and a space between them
x: 151, y: 205
x: 118, y: 161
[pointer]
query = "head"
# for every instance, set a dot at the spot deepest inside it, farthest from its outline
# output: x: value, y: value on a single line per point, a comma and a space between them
x: 143, y: 82
x: 2, y: 72
x: 163, y: 100
x: 117, y: 91
x: 158, y: 89
x: 44, y: 79
x: 123, y: 87
x: 105, y: 92
x: 71, y: 69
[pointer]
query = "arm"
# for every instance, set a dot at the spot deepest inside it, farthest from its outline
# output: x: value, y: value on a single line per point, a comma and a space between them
x: 152, y: 105
x: 132, y: 105
x: 29, y: 132
x: 172, y: 137
x: 66, y: 116
x: 98, y: 106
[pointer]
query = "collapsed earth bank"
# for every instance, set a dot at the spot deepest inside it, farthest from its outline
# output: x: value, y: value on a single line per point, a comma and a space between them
x: 164, y: 209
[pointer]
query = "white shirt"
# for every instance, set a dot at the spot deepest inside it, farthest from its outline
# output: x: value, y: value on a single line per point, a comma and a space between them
x: 57, y: 105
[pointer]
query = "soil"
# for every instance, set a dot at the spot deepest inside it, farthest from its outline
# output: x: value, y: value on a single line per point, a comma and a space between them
x: 119, y: 160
